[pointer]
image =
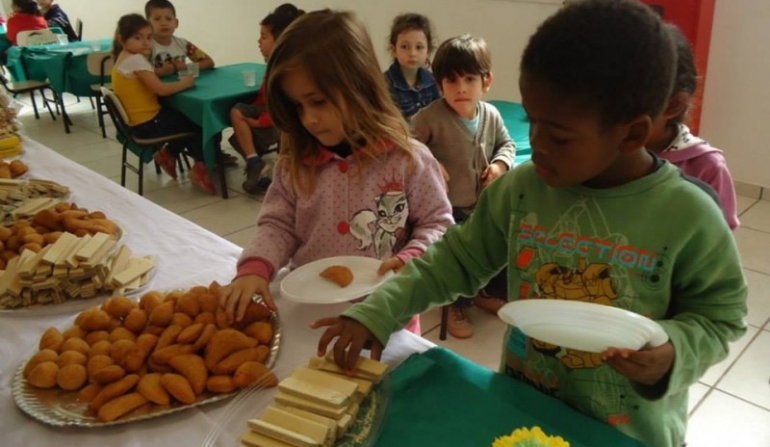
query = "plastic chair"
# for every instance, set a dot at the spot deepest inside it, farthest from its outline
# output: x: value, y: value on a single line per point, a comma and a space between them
x: 145, y: 145
x: 21, y: 87
x: 36, y: 37
x: 100, y: 64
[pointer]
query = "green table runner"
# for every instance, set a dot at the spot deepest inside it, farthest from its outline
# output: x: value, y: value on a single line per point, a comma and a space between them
x: 208, y: 104
x: 64, y: 66
x: 442, y: 399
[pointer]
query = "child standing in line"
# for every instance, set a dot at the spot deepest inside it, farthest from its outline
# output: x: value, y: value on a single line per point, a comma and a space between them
x: 169, y: 52
x: 410, y: 83
x: 468, y: 137
x: 586, y: 211
x: 254, y: 135
x: 672, y: 140
x: 137, y: 86
x: 349, y: 181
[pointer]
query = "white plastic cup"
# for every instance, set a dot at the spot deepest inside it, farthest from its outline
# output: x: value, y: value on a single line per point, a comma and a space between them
x: 183, y: 74
x: 194, y: 69
x: 96, y: 45
x: 249, y: 77
x: 63, y: 39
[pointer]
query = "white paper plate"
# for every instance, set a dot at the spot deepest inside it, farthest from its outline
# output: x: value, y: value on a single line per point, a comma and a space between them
x: 303, y: 285
x: 582, y: 326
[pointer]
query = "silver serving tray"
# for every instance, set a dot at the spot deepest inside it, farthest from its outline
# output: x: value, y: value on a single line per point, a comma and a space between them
x: 61, y: 408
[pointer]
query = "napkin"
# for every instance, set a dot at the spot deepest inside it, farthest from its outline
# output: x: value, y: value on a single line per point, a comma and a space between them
x: 442, y: 399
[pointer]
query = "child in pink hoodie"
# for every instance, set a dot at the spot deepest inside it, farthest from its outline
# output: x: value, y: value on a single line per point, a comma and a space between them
x: 672, y: 140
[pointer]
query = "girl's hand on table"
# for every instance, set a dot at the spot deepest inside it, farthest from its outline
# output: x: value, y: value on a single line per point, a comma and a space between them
x: 351, y: 335
x: 236, y: 296
x: 179, y: 65
x: 647, y: 367
x: 187, y: 81
x: 387, y: 265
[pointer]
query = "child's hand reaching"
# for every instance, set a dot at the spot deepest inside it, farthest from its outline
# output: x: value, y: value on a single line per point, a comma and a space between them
x: 351, y: 335
x: 187, y: 81
x: 492, y: 172
x: 234, y: 297
x: 647, y: 367
x: 387, y: 265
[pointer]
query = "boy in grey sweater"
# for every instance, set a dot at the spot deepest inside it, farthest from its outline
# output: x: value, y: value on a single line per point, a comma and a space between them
x: 468, y: 137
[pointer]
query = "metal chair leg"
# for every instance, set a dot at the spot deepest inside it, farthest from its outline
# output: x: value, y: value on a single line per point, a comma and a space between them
x: 34, y: 103
x: 100, y: 116
x: 65, y: 117
x: 123, y: 165
x: 444, y: 320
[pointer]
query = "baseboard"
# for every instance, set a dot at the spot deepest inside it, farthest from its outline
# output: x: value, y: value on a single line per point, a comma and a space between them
x: 752, y: 191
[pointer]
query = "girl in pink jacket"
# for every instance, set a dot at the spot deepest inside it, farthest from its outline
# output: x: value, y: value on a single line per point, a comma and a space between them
x: 673, y: 141
x: 349, y: 180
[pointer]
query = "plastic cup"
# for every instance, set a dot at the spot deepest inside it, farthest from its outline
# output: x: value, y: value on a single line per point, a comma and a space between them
x: 96, y: 45
x: 193, y: 68
x: 249, y: 77
x: 63, y: 39
x: 183, y: 74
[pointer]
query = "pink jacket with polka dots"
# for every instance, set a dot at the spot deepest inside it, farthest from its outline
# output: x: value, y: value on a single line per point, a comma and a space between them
x: 396, y: 207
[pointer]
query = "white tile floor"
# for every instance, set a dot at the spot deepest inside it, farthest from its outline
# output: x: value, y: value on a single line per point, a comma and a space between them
x: 729, y: 406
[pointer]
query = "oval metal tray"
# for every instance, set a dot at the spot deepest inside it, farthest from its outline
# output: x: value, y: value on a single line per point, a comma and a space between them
x: 62, y: 409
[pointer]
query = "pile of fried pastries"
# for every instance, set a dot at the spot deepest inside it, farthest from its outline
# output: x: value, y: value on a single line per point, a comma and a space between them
x: 163, y: 350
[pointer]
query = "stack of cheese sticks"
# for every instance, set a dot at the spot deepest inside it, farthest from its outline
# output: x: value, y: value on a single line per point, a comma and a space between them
x: 315, y: 405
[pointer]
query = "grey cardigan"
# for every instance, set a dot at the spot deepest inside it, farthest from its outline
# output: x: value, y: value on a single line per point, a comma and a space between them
x: 463, y: 155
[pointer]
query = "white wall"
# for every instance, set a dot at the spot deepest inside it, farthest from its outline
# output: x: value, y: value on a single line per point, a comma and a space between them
x: 229, y: 29
x: 736, y: 112
x: 736, y: 106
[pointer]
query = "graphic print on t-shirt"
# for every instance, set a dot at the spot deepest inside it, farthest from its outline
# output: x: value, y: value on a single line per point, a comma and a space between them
x: 383, y: 227
x: 576, y: 256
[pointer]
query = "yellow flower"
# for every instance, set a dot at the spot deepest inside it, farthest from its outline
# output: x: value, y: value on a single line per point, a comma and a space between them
x: 524, y: 437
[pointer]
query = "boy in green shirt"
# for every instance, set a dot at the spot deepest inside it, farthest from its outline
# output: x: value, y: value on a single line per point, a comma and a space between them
x: 595, y: 217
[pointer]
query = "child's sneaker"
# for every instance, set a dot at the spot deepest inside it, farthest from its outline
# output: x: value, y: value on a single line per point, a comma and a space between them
x: 199, y: 174
x: 488, y: 303
x: 254, y: 166
x: 459, y: 323
x: 166, y: 161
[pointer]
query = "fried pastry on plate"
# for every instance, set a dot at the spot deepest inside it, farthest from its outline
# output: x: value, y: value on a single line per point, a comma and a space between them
x: 338, y: 274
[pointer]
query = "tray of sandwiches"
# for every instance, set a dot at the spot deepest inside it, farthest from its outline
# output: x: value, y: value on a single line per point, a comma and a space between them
x: 316, y: 405
x: 70, y: 271
x: 130, y: 360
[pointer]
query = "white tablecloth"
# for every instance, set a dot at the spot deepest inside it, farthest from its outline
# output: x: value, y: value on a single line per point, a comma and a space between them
x: 186, y: 255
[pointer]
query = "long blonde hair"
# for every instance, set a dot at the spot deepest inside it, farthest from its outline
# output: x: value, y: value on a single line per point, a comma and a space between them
x: 334, y: 48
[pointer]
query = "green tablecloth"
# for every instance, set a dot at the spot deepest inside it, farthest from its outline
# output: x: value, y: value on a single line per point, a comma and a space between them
x: 518, y: 127
x: 64, y: 66
x: 208, y: 104
x: 442, y: 399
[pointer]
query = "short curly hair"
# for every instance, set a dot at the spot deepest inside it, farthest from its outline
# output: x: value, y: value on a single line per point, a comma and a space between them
x: 614, y: 56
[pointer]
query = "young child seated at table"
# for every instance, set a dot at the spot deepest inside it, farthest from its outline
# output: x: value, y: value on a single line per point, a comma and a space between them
x: 588, y: 210
x: 138, y: 87
x: 349, y: 180
x: 468, y: 137
x: 25, y: 17
x: 254, y: 135
x: 410, y: 83
x: 169, y: 52
x: 672, y: 140
x: 56, y: 17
